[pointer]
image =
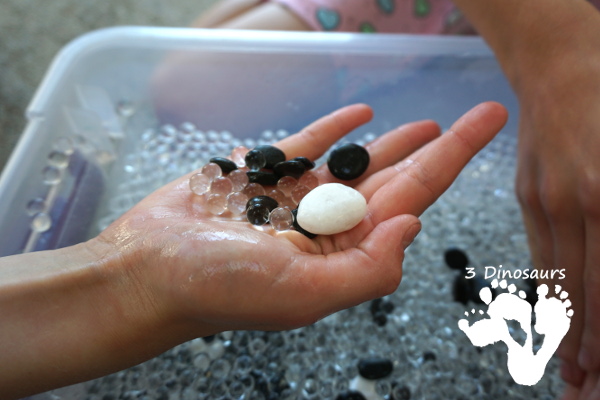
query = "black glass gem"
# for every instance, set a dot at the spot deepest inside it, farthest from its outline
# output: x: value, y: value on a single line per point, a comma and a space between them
x: 348, y: 161
x: 272, y: 154
x: 308, y: 165
x: 531, y: 283
x: 258, y: 214
x: 461, y: 289
x: 456, y: 258
x: 266, y: 201
x: 429, y: 356
x: 375, y: 368
x: 380, y: 318
x: 209, y: 339
x: 292, y: 168
x: 350, y: 395
x: 226, y: 165
x: 262, y: 177
x: 255, y: 160
x: 531, y: 296
x: 299, y: 228
x: 375, y: 305
x: 476, y: 284
x: 387, y: 307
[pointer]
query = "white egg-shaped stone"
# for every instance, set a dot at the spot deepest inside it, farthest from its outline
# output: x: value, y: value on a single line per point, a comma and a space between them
x: 331, y: 208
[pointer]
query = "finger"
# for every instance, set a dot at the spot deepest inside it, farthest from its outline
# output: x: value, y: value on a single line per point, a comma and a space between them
x: 571, y: 393
x: 403, y: 142
x: 371, y: 269
x: 590, y: 389
x: 589, y: 356
x: 568, y: 249
x: 388, y: 149
x: 314, y: 140
x: 421, y: 180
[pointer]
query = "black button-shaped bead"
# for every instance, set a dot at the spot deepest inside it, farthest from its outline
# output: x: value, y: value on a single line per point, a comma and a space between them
x: 348, y: 161
x: 258, y: 214
x: 375, y: 368
x: 531, y: 283
x: 262, y: 177
x: 299, y: 228
x: 456, y: 258
x: 461, y: 289
x: 375, y: 305
x: 531, y: 296
x: 380, y: 318
x: 272, y: 154
x: 292, y: 168
x: 429, y: 356
x: 226, y: 165
x: 266, y: 201
x: 209, y: 338
x: 255, y: 160
x: 350, y: 395
x: 308, y: 165
x: 387, y: 307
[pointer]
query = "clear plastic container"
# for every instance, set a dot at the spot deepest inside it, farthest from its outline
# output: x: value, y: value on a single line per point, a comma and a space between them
x: 106, y: 87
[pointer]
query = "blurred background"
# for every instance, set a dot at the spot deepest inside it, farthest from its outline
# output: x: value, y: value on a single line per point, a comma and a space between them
x: 33, y: 31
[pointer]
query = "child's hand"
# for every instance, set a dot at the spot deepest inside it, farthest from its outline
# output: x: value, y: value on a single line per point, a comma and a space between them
x: 206, y: 275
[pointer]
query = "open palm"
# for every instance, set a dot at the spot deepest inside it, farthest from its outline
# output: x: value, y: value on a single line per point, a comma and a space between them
x: 218, y: 274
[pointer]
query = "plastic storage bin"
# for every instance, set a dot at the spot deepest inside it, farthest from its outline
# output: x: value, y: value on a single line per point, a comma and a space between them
x: 109, y: 91
x: 106, y: 87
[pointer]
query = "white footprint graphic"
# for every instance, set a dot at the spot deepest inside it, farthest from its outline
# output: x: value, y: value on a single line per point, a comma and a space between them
x: 552, y: 320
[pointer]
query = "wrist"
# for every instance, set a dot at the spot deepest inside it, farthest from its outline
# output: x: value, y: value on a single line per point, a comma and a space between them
x: 79, y: 308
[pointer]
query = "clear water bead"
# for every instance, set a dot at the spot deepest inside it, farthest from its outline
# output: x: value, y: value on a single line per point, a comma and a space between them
x: 64, y: 144
x: 188, y: 127
x: 216, y: 204
x: 255, y: 160
x: 200, y: 183
x: 58, y: 159
x: 125, y: 108
x: 281, y: 219
x: 35, y: 206
x: 51, y: 175
x: 211, y: 170
x: 299, y: 192
x: 221, y: 185
x: 41, y: 222
x: 239, y: 179
x: 236, y: 203
x: 286, y: 184
x: 238, y: 156
x: 254, y: 189
x: 277, y: 195
x: 309, y: 180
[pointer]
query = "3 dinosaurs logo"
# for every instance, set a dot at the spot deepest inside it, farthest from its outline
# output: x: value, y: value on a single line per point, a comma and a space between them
x: 552, y: 319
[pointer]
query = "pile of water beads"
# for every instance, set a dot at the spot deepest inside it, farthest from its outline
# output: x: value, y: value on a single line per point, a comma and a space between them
x: 263, y: 187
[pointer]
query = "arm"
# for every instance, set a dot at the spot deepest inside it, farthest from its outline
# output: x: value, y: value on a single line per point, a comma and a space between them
x: 73, y: 314
x: 527, y: 34
x: 550, y: 52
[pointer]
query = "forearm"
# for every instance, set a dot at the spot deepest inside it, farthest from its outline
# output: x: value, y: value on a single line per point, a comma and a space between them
x: 525, y: 34
x: 71, y: 315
